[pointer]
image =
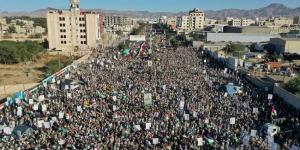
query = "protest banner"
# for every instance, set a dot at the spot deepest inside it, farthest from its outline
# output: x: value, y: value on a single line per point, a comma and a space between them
x: 155, y: 141
x: 200, y: 141
x: 79, y: 108
x: 61, y: 115
x: 41, y: 98
x: 270, y: 96
x: 255, y: 110
x: 19, y: 111
x: 35, y: 107
x: 181, y: 105
x: 44, y: 107
x: 232, y: 120
x: 147, y: 99
x: 47, y: 125
x: 148, y: 126
x: 137, y: 127
x: 30, y: 101
x: 253, y: 133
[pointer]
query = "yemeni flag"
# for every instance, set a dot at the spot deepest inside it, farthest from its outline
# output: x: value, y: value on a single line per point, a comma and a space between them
x: 142, y: 50
x: 273, y: 112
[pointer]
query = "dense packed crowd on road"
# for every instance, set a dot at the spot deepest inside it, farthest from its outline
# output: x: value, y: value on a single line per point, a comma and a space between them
x: 188, y: 107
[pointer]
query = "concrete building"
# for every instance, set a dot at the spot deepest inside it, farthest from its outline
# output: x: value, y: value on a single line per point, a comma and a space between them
x: 69, y: 29
x: 115, y: 23
x: 240, y: 22
x: 296, y: 20
x: 171, y: 22
x: 196, y: 19
x: 2, y: 21
x: 286, y: 45
x: 277, y: 21
x: 183, y: 23
x: 208, y: 22
x: 193, y: 22
x: 238, y: 37
x: 114, y: 20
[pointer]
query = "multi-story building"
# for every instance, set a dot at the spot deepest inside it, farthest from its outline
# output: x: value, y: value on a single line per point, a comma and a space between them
x: 171, y: 22
x: 209, y: 22
x: 72, y: 28
x: 2, y: 21
x: 196, y: 21
x: 183, y: 22
x: 286, y: 45
x: 114, y: 23
x: 277, y: 22
x: 240, y: 22
x: 193, y: 22
x: 296, y: 20
x: 112, y: 20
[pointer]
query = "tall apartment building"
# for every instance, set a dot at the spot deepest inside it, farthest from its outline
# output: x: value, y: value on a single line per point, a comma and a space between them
x: 193, y: 22
x: 112, y: 20
x: 72, y: 28
x: 196, y: 19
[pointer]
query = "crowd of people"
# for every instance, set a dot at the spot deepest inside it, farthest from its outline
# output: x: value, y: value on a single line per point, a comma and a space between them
x: 188, y: 107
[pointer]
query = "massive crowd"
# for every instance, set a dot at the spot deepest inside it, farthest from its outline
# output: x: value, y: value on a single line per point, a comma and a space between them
x: 188, y: 107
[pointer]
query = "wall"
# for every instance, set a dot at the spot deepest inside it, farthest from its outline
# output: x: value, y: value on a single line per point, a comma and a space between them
x: 292, y: 46
x: 238, y: 37
x: 262, y: 84
x: 10, y: 89
x: 287, y: 96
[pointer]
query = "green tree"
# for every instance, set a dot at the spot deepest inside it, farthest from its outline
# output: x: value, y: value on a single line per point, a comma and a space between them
x: 119, y: 32
x: 175, y: 43
x: 20, y: 23
x: 293, y: 85
x: 15, y: 52
x: 11, y: 29
x: 230, y: 48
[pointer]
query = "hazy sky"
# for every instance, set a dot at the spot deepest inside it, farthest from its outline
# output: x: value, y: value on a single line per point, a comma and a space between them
x: 150, y: 5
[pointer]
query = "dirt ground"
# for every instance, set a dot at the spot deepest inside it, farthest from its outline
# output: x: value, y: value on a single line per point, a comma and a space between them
x: 28, y: 72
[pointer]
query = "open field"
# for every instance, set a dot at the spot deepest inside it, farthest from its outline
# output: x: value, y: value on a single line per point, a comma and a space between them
x: 29, y: 72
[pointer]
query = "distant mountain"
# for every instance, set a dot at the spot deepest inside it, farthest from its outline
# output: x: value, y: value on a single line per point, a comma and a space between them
x: 269, y: 11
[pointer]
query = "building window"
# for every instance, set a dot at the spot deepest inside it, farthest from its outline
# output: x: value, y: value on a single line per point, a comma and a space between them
x: 61, y: 18
x: 84, y: 42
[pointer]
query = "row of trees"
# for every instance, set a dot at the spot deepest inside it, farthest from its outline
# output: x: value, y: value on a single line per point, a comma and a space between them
x: 12, y: 52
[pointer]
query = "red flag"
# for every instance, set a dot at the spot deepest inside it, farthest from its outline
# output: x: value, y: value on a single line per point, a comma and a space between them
x: 274, y: 112
x: 142, y: 49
